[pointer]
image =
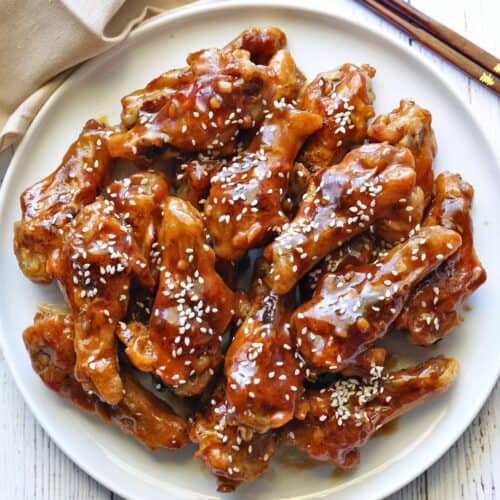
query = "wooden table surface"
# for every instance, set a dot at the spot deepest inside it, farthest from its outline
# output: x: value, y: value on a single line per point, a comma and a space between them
x: 31, y: 465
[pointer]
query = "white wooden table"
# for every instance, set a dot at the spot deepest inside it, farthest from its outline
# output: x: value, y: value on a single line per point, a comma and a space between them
x: 31, y: 465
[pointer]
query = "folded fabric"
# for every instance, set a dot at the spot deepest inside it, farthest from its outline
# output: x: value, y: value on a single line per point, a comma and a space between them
x: 41, y: 42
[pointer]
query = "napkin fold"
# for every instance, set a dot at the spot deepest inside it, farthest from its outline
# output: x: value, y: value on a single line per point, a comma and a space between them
x: 41, y: 42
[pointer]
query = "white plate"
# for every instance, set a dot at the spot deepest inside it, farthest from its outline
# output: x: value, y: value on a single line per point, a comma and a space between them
x: 319, y: 40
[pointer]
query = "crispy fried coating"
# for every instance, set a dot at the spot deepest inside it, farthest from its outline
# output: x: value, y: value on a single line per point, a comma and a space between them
x: 94, y: 265
x: 219, y: 93
x: 192, y: 308
x: 350, y: 311
x: 233, y: 452
x: 264, y: 376
x: 436, y: 305
x: 342, y: 201
x: 50, y: 343
x: 50, y: 204
x: 337, y: 421
x: 245, y: 202
x: 343, y: 98
x: 410, y: 126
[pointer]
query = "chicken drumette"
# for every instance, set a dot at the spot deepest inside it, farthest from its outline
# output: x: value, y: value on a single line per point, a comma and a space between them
x: 192, y: 308
x: 245, y: 202
x: 50, y: 343
x: 334, y: 422
x: 343, y: 98
x: 341, y: 202
x: 94, y: 265
x: 49, y: 205
x: 350, y: 311
x: 263, y: 373
x: 409, y: 125
x: 234, y: 452
x: 436, y: 305
x: 219, y: 93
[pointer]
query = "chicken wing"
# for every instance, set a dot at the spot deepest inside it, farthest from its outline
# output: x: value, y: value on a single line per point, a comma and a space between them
x: 356, y: 252
x: 409, y: 125
x: 193, y: 180
x: 221, y: 92
x: 234, y: 452
x: 50, y: 343
x: 350, y: 311
x: 402, y: 219
x: 342, y: 201
x: 94, y: 265
x: 50, y: 204
x: 245, y: 201
x: 264, y: 376
x: 260, y: 43
x: 343, y: 98
x: 436, y: 304
x: 192, y: 308
x: 139, y: 199
x: 337, y: 421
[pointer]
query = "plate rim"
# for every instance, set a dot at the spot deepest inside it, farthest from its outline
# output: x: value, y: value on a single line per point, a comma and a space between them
x: 184, y: 13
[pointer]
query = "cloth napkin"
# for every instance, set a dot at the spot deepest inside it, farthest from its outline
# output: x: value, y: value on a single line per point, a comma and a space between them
x: 41, y: 42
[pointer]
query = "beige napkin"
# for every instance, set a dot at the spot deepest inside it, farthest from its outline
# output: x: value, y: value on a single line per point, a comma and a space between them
x: 42, y: 40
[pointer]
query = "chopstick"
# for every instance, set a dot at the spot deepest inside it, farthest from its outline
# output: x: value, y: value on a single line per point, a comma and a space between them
x: 460, y: 52
x: 447, y: 35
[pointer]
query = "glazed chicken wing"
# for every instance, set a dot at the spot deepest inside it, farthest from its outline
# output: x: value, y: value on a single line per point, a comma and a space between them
x: 219, y: 93
x: 264, y: 377
x: 356, y: 252
x: 341, y: 202
x: 337, y: 421
x: 50, y: 204
x: 260, y: 43
x: 436, y: 305
x: 192, y: 309
x: 343, y: 98
x: 50, y: 342
x: 409, y: 125
x: 350, y: 311
x: 402, y: 218
x: 139, y: 199
x: 94, y: 266
x: 233, y: 452
x: 193, y: 180
x: 245, y: 201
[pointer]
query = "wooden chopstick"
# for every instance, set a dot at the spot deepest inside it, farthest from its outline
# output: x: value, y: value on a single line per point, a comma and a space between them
x: 419, y: 33
x: 469, y: 49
